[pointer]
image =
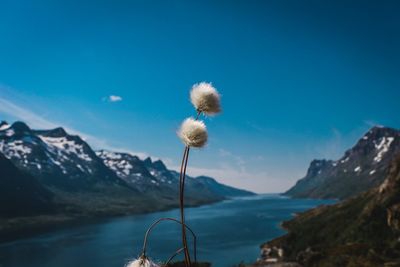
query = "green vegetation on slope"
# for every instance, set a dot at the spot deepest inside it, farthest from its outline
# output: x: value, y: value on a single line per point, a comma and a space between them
x: 362, y: 231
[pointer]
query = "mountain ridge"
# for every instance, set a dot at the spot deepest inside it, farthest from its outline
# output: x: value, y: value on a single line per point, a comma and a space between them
x: 84, y: 183
x: 160, y: 176
x: 360, y: 168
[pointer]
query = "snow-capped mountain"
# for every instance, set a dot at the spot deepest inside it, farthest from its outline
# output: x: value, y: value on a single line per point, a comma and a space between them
x: 362, y: 167
x: 56, y: 158
x: 154, y: 177
x: 65, y: 162
x: 134, y: 172
x: 195, y: 187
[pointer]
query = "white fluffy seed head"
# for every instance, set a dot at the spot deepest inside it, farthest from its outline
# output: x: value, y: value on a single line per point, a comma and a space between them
x: 205, y: 98
x: 193, y: 133
x: 142, y: 262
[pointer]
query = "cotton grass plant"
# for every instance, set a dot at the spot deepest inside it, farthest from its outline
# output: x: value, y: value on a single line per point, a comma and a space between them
x: 205, y: 98
x: 193, y: 134
x: 142, y: 262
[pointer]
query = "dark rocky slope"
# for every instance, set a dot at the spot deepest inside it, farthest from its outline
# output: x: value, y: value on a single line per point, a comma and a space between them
x: 20, y: 193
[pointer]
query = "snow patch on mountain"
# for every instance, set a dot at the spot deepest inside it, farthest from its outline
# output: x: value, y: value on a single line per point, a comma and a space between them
x: 108, y: 154
x: 115, y: 162
x: 4, y: 126
x: 345, y: 160
x: 383, y: 147
x: 15, y: 149
x: 10, y: 132
x: 69, y: 146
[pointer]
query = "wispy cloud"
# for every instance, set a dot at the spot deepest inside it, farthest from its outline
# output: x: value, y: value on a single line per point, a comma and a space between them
x: 333, y: 147
x: 112, y: 98
x: 260, y: 182
x: 13, y: 110
x: 37, y: 121
x: 236, y: 159
x: 236, y: 171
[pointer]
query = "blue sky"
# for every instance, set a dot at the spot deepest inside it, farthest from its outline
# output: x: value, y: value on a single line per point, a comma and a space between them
x: 299, y: 79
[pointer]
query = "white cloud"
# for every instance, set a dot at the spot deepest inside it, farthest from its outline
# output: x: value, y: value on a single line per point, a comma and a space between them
x: 114, y: 98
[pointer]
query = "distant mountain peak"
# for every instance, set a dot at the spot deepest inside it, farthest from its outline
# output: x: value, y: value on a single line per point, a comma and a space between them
x: 159, y: 165
x: 377, y: 132
x: 147, y: 162
x: 56, y: 132
x: 20, y: 127
x: 317, y: 165
x: 319, y: 162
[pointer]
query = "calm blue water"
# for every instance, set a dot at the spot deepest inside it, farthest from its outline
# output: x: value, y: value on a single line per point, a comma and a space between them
x: 228, y: 233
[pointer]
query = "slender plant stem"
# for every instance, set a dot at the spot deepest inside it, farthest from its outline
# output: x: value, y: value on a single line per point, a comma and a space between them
x: 182, y: 177
x: 182, y: 207
x: 182, y: 194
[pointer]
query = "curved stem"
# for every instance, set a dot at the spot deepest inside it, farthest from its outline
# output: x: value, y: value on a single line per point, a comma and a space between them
x: 173, y: 256
x: 173, y: 220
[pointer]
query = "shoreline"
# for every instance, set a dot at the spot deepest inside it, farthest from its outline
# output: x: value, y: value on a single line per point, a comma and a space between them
x: 271, y: 255
x: 42, y: 224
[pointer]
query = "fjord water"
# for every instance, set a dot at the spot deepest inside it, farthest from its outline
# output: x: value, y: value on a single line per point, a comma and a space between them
x: 228, y: 233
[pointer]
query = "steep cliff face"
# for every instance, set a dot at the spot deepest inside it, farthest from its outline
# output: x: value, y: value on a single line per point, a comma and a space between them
x: 362, y: 167
x: 312, y: 180
x: 361, y: 231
